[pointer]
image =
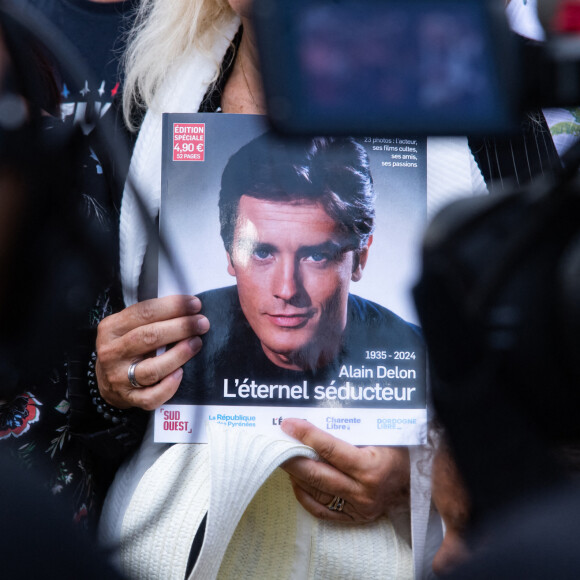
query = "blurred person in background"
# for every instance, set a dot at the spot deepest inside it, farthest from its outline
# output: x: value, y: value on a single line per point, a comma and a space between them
x: 97, y: 29
x: 510, y: 542
x: 58, y: 272
x: 38, y: 215
x: 451, y: 501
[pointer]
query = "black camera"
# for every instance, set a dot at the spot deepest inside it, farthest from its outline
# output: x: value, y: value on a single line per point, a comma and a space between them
x: 424, y: 67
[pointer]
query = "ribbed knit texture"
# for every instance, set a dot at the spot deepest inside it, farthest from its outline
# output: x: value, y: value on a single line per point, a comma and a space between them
x: 255, y: 526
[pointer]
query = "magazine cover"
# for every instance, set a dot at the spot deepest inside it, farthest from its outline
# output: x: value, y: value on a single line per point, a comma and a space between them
x: 303, y: 253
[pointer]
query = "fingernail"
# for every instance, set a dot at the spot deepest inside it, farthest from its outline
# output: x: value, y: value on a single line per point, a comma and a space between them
x: 202, y: 324
x: 287, y: 427
x: 196, y: 303
x: 195, y: 343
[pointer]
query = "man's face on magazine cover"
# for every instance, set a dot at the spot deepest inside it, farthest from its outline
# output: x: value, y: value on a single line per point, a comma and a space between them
x: 293, y: 265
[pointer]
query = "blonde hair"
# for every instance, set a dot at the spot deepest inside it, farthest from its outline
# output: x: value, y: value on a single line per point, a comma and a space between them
x: 164, y: 32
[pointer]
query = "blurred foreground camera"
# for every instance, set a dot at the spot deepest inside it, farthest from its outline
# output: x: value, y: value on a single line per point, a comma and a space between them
x: 499, y: 296
x: 424, y: 67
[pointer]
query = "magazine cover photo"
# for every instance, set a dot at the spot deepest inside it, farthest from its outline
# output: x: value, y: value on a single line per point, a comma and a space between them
x: 302, y: 252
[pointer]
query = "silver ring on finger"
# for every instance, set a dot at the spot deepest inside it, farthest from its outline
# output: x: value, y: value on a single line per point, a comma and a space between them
x: 131, y: 375
x: 336, y: 505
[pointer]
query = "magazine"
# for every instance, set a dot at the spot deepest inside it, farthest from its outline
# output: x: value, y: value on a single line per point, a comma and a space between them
x: 303, y: 253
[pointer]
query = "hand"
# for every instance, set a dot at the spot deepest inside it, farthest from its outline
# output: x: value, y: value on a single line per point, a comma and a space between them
x: 135, y: 334
x: 371, y: 480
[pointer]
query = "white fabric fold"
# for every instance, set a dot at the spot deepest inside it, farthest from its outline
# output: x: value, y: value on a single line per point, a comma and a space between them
x: 240, y: 464
x: 255, y: 527
x: 452, y: 172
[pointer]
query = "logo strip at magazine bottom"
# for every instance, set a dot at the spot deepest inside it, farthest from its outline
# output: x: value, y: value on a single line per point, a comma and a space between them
x: 188, y: 423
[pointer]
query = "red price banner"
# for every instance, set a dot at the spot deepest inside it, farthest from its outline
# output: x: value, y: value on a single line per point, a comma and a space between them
x: 188, y: 141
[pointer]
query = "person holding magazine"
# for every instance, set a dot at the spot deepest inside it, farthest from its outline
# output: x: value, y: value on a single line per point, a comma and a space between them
x: 200, y: 56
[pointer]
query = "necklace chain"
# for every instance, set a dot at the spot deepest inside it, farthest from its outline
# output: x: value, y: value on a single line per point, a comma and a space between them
x: 248, y: 84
